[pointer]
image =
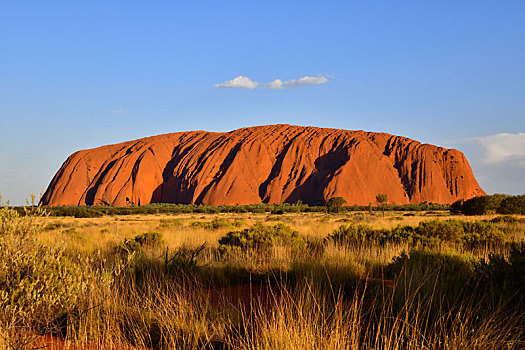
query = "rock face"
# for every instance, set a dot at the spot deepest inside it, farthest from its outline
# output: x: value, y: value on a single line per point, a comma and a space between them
x: 270, y: 164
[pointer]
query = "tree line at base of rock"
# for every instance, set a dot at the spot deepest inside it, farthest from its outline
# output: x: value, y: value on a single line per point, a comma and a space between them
x: 273, y: 209
x: 493, y: 204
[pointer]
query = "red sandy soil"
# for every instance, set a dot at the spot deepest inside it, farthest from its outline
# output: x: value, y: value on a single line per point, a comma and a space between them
x: 270, y: 164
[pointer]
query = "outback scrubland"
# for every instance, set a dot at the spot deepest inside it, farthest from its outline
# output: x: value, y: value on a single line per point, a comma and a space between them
x: 310, y: 280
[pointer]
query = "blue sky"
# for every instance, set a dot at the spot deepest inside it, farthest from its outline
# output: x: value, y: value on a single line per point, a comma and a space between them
x: 76, y: 75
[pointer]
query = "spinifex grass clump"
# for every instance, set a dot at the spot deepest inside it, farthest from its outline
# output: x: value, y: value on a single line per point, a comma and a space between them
x: 502, y: 278
x: 443, y: 280
x: 260, y: 237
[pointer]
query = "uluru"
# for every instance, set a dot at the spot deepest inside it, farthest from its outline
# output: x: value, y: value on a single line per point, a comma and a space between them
x: 263, y: 164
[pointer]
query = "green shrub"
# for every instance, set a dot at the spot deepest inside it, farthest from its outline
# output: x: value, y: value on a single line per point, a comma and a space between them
x: 439, y: 281
x: 507, y: 219
x: 512, y: 205
x: 427, y: 234
x: 168, y: 223
x: 446, y: 230
x: 361, y: 233
x: 50, y: 227
x: 447, y: 264
x: 348, y: 234
x: 405, y: 234
x: 144, y: 240
x: 260, y: 237
x: 216, y: 224
x: 482, y: 233
x: 502, y: 279
x: 37, y: 284
x: 335, y: 204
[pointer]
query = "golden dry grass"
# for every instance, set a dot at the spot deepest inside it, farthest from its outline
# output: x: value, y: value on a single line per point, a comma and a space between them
x: 95, y: 233
x: 132, y: 302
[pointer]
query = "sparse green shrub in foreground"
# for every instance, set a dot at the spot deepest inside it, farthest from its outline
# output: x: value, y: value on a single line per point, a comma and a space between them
x: 216, y: 224
x: 170, y: 223
x: 144, y: 240
x: 260, y: 237
x: 427, y: 233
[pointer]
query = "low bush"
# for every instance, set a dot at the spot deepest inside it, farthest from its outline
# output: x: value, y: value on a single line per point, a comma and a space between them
x: 439, y: 281
x: 51, y: 227
x: 70, y: 230
x: 170, y: 223
x: 502, y: 278
x: 482, y: 234
x: 216, y: 224
x: 260, y: 237
x: 507, y: 219
x: 143, y: 240
x: 349, y: 234
x: 427, y: 233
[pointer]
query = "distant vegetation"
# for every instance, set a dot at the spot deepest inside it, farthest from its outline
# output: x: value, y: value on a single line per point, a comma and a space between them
x: 335, y: 204
x: 493, y: 204
x: 167, y: 208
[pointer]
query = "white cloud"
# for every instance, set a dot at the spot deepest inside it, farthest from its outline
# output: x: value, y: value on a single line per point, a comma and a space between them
x: 276, y: 84
x: 117, y: 111
x: 503, y: 147
x: 498, y: 161
x: 306, y: 81
x: 240, y: 82
x: 243, y: 82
